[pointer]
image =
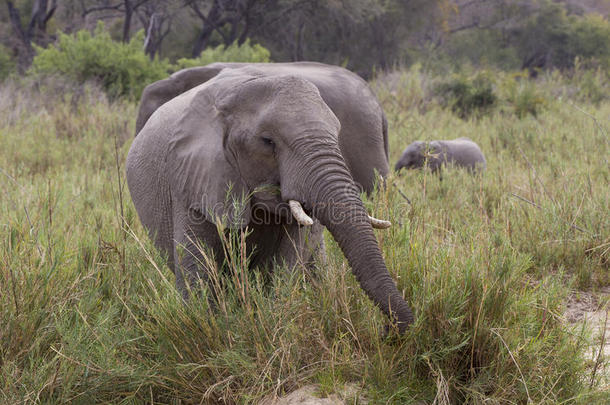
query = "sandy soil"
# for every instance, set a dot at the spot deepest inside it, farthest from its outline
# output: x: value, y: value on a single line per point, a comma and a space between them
x: 593, y: 309
x: 309, y: 395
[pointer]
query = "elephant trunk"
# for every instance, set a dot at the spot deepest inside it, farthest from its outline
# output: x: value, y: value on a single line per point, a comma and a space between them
x: 329, y: 193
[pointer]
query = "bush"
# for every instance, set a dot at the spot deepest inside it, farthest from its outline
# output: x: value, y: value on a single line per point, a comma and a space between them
x: 522, y: 95
x: 123, y: 69
x: 233, y: 53
x: 7, y: 64
x: 592, y: 84
x: 467, y: 96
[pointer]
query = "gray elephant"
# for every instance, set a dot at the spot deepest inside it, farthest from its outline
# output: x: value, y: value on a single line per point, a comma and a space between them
x: 461, y: 152
x: 363, y: 137
x: 273, y: 142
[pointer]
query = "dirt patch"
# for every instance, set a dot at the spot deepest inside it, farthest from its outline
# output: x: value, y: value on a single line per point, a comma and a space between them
x: 310, y: 395
x: 592, y: 310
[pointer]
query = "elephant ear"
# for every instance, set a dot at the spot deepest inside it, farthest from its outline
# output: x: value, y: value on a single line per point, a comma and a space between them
x: 158, y: 93
x: 204, y: 177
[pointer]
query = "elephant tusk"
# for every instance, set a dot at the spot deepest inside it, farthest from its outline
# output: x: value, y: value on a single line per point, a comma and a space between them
x: 379, y: 223
x: 298, y: 213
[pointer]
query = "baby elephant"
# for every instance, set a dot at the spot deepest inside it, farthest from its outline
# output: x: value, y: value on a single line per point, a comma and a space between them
x: 461, y: 152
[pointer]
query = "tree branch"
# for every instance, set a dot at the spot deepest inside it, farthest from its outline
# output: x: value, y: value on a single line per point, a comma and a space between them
x: 88, y: 11
x: 51, y: 12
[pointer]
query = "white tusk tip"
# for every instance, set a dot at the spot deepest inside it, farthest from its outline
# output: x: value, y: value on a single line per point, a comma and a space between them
x: 297, y: 212
x: 379, y: 223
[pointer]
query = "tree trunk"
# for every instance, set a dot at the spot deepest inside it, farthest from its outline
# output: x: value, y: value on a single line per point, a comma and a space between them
x: 25, y: 58
x: 202, y: 41
x: 244, y: 33
x: 149, y: 41
x: 127, y: 20
x: 299, y: 50
x: 209, y: 24
x: 36, y: 29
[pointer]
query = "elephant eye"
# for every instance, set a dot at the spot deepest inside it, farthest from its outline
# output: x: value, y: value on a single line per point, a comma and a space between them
x: 268, y: 141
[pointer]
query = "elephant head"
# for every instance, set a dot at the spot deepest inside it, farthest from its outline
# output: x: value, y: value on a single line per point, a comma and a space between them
x: 419, y: 154
x: 240, y: 133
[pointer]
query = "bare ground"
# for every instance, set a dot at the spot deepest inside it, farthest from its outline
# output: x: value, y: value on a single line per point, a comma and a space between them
x: 593, y: 309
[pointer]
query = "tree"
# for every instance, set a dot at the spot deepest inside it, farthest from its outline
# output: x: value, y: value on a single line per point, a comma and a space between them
x: 156, y: 17
x: 361, y: 34
x: 36, y: 29
x: 230, y: 19
x: 126, y: 7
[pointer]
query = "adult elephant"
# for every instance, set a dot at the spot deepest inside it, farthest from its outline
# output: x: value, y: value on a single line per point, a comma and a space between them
x: 273, y: 142
x: 363, y: 137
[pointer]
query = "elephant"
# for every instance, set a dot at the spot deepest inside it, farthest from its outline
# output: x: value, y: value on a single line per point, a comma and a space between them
x: 363, y: 138
x: 461, y: 152
x: 272, y: 142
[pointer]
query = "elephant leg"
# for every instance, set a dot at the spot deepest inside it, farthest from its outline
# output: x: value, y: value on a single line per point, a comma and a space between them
x: 195, y: 241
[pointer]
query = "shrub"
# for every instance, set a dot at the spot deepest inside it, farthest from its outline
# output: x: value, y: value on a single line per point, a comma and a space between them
x: 592, y: 84
x: 522, y: 95
x: 123, y: 69
x: 233, y: 53
x: 467, y: 96
x: 7, y: 64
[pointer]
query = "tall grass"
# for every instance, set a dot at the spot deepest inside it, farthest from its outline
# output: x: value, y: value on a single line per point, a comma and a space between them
x: 89, y: 312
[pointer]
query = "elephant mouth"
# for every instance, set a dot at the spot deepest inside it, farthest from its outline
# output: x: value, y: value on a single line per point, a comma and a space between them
x: 268, y: 207
x: 293, y: 209
x: 278, y: 211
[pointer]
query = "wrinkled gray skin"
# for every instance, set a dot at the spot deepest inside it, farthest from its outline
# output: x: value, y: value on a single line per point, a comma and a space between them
x: 250, y: 130
x: 363, y: 136
x: 461, y: 152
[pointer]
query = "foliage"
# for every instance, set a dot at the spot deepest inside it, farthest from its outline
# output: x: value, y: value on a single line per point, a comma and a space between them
x: 589, y: 41
x: 593, y: 84
x: 88, y: 310
x: 467, y: 96
x: 552, y: 38
x: 536, y: 35
x: 363, y: 35
x: 7, y: 64
x: 123, y: 69
x: 522, y: 95
x: 490, y: 50
x: 232, y: 53
x: 477, y: 93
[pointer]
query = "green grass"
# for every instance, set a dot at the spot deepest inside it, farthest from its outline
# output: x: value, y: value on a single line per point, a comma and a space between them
x: 89, y: 313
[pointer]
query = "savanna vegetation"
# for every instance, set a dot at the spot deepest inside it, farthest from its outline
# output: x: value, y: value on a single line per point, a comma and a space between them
x: 88, y: 308
x: 89, y: 312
